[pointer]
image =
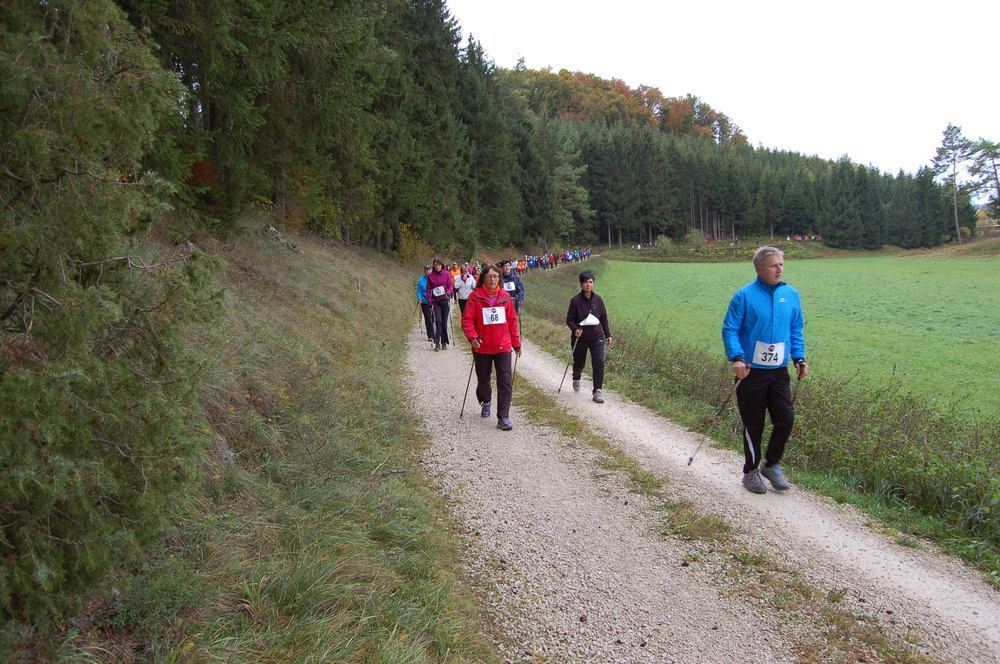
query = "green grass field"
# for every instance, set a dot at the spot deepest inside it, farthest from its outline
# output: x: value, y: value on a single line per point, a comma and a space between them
x: 931, y: 320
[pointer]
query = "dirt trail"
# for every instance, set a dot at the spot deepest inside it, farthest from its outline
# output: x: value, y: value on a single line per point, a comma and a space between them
x: 574, y: 568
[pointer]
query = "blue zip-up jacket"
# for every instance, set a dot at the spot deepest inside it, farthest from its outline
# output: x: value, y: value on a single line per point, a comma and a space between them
x: 422, y: 290
x: 769, y: 314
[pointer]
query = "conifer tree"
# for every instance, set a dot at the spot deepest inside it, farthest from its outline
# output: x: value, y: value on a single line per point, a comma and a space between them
x: 951, y: 156
x: 985, y: 169
x: 99, y: 423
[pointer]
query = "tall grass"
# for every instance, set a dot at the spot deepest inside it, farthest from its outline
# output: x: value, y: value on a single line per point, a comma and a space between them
x: 313, y: 536
x: 879, y: 443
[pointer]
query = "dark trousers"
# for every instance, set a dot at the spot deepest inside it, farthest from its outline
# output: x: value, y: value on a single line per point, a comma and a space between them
x: 461, y: 304
x: 442, y: 309
x: 505, y: 380
x: 428, y: 310
x: 596, y: 348
x: 765, y: 390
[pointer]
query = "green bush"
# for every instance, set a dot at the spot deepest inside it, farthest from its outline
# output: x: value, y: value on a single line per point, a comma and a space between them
x: 98, y: 424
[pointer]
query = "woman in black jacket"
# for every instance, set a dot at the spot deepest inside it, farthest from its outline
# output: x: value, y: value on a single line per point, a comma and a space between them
x: 587, y: 319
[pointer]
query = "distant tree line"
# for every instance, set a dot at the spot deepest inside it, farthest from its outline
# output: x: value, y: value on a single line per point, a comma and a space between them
x: 356, y: 119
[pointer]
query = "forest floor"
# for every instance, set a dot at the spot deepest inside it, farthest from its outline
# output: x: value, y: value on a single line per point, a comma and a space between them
x: 589, y: 538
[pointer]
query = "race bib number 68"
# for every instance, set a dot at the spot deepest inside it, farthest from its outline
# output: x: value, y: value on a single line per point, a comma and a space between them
x: 494, y: 315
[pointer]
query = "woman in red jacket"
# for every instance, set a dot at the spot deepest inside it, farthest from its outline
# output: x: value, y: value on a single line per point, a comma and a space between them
x: 490, y: 323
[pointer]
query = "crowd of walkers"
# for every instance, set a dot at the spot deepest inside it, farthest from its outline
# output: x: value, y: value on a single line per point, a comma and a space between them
x: 552, y: 260
x: 762, y: 331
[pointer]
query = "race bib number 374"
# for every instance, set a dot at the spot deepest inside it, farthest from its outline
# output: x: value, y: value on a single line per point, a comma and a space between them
x: 494, y: 315
x: 771, y: 355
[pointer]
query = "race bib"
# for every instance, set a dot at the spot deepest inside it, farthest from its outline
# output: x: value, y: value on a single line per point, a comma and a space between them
x: 438, y: 291
x: 494, y: 315
x: 509, y: 286
x: 771, y: 355
x: 591, y: 319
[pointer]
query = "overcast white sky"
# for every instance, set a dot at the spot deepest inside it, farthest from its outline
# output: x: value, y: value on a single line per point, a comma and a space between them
x: 876, y: 80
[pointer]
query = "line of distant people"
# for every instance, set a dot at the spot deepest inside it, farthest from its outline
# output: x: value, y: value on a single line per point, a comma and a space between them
x: 551, y: 260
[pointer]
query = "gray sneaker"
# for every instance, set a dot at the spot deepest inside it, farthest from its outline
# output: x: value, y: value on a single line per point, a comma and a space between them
x: 753, y: 482
x: 598, y: 396
x: 576, y: 386
x: 775, y: 477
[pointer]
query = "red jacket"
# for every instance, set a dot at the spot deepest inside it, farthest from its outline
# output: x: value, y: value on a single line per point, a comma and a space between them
x: 495, y: 337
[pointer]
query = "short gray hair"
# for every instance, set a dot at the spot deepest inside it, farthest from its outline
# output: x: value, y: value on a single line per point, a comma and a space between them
x: 764, y: 253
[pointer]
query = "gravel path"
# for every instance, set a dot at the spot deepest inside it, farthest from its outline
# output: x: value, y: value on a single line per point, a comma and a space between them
x: 571, y: 568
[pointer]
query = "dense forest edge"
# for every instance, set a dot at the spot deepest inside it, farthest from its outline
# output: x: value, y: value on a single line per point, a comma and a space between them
x: 137, y: 136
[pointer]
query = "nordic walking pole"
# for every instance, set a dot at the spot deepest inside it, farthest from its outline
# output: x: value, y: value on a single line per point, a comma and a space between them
x: 451, y: 327
x: 514, y: 377
x: 715, y: 420
x: 467, y: 383
x: 571, y: 351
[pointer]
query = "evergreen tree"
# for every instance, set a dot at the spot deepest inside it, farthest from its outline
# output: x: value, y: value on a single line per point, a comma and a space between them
x: 985, y: 169
x: 99, y: 423
x: 951, y: 156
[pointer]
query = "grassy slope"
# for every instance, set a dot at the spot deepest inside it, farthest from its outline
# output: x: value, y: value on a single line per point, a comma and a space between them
x: 926, y: 319
x: 322, y: 541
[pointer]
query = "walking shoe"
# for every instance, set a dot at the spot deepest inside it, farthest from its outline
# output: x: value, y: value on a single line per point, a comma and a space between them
x: 437, y: 347
x: 444, y: 346
x: 576, y: 386
x: 598, y: 396
x: 753, y: 482
x: 486, y: 409
x: 504, y: 424
x: 775, y: 477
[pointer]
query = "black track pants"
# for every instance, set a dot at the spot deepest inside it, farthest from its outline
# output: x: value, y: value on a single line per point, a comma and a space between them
x: 765, y: 390
x: 442, y: 309
x: 596, y: 347
x: 428, y: 310
x: 505, y: 380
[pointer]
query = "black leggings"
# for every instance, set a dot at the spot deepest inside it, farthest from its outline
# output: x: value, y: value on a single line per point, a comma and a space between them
x: 505, y: 380
x: 442, y: 309
x: 596, y: 347
x: 765, y: 390
x: 428, y: 310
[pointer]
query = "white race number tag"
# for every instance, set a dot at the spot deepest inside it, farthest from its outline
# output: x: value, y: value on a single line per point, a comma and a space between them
x: 509, y: 286
x: 770, y: 355
x: 494, y: 315
x: 438, y: 291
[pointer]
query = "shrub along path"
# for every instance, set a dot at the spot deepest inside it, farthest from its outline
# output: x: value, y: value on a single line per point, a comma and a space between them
x: 570, y: 564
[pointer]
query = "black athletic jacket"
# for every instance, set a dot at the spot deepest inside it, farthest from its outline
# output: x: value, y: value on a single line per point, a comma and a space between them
x: 579, y: 308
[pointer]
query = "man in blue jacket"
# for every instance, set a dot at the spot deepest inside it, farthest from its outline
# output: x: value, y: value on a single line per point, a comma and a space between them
x: 762, y: 330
